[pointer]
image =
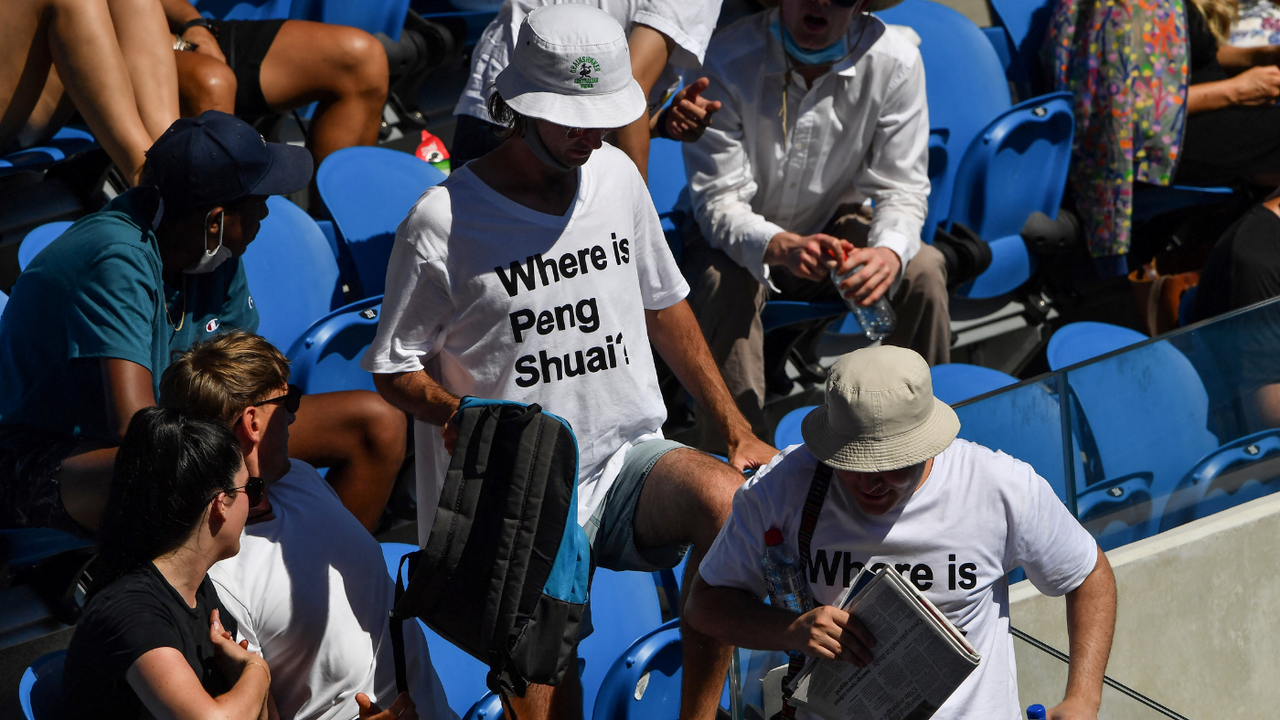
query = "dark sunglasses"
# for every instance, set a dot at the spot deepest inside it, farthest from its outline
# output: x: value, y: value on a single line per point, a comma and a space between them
x: 252, y: 490
x: 846, y: 3
x: 290, y: 400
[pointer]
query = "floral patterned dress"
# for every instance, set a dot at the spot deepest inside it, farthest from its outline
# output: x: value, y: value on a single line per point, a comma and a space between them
x: 1126, y: 63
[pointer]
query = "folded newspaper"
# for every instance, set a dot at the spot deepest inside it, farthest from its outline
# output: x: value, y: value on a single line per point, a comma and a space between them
x: 920, y: 658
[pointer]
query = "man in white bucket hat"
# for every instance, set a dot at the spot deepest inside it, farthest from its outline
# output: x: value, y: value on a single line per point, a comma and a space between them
x: 539, y: 273
x: 953, y: 517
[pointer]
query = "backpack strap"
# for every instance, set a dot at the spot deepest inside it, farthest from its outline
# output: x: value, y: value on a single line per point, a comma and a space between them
x: 808, y: 521
x: 397, y: 634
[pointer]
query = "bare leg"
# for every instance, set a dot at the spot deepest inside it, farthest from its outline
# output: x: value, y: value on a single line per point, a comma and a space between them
x: 205, y: 83
x: 342, y: 68
x: 544, y: 702
x: 147, y: 46
x: 360, y: 438
x: 686, y: 499
x: 78, y: 38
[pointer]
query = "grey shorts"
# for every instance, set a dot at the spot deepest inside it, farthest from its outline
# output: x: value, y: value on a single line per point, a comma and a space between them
x: 611, y: 528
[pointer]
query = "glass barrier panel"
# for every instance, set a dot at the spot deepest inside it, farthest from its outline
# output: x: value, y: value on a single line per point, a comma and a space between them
x: 1178, y: 428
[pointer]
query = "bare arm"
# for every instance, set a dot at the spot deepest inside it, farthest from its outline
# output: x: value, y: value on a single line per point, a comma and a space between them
x: 128, y: 388
x: 170, y: 690
x: 1240, y: 58
x: 178, y: 13
x: 418, y: 394
x: 1091, y: 623
x: 675, y: 334
x: 650, y: 50
x: 1254, y: 87
x: 734, y: 617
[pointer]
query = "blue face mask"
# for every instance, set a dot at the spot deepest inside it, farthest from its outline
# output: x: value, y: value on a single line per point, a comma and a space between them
x: 825, y: 56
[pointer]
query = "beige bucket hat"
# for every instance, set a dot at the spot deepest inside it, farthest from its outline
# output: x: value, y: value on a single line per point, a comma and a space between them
x: 880, y: 413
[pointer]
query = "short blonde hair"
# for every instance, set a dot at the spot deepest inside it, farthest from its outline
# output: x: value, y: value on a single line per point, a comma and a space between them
x: 219, y: 378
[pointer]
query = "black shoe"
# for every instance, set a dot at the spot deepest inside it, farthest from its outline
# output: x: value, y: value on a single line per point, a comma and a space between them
x: 966, y: 255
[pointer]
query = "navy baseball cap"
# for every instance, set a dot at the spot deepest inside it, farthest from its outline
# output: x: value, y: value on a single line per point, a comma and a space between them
x: 217, y: 158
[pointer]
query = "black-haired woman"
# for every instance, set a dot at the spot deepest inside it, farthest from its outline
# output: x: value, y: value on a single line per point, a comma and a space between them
x: 154, y: 642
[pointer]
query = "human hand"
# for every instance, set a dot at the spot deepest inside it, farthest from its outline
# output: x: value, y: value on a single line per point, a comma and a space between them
x: 1256, y: 86
x: 1072, y: 709
x: 690, y: 114
x: 450, y: 430
x: 232, y: 657
x: 830, y: 633
x: 206, y: 43
x: 402, y: 709
x: 750, y: 452
x: 880, y: 269
x: 807, y: 256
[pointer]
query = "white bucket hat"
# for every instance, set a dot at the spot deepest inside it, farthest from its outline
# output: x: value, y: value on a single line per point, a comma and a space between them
x: 571, y: 66
x: 880, y: 413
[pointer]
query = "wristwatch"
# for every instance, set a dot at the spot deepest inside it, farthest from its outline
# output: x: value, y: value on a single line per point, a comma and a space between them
x: 200, y: 22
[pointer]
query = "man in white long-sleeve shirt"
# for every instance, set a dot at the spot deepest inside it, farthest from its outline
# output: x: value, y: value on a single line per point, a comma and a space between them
x: 823, y: 109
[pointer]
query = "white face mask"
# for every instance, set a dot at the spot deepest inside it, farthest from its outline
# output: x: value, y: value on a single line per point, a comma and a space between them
x: 210, y: 261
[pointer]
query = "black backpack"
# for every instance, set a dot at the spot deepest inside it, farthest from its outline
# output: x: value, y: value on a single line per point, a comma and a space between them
x: 505, y: 571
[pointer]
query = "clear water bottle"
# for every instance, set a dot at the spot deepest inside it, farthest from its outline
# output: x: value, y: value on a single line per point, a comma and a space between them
x: 876, y: 320
x: 784, y: 576
x: 1036, y: 712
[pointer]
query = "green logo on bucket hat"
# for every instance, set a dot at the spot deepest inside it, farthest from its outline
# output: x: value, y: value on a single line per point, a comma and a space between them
x: 582, y: 68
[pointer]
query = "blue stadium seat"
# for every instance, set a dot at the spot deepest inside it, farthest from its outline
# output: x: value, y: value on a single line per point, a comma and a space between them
x: 245, y: 9
x: 980, y: 146
x: 4, y: 300
x: 368, y: 191
x: 966, y: 89
x: 29, y: 546
x: 1079, y: 341
x: 461, y: 675
x: 1240, y: 471
x: 40, y: 689
x: 788, y: 431
x: 488, y: 707
x: 37, y: 240
x: 666, y: 174
x: 67, y: 142
x: 624, y: 606
x: 956, y: 382
x: 292, y: 274
x: 326, y: 357
x: 644, y: 682
x: 1026, y: 22
x: 778, y: 313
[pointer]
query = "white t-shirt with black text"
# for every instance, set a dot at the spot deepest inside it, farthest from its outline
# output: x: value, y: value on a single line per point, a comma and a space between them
x: 688, y: 23
x: 979, y: 514
x: 310, y: 590
x: 500, y: 301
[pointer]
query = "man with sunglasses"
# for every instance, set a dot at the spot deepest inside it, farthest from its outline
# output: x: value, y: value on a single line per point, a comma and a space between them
x: 94, y: 319
x: 823, y: 116
x: 539, y: 273
x: 309, y: 587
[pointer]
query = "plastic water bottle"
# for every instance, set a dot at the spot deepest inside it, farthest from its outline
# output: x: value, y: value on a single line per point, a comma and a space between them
x: 783, y: 575
x: 1036, y: 712
x: 876, y: 320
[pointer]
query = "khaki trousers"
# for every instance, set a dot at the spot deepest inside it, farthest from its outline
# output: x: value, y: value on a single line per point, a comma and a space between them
x: 727, y: 300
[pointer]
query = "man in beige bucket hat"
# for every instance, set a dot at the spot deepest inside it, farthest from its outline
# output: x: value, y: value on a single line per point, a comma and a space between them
x: 539, y: 273
x: 953, y: 517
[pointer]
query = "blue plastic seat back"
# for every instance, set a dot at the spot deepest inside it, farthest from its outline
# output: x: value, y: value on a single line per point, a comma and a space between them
x: 644, y: 681
x: 1027, y: 147
x: 1153, y: 200
x: 1027, y: 23
x: 38, y: 239
x: 368, y: 191
x: 966, y: 88
x: 372, y: 16
x: 461, y: 675
x: 488, y: 707
x: 326, y: 358
x: 29, y: 546
x: 40, y: 689
x: 292, y: 274
x: 245, y: 9
x: 666, y: 174
x: 1079, y: 341
x: 957, y: 382
x: 624, y: 606
x: 778, y: 313
x: 1147, y: 413
x: 788, y: 431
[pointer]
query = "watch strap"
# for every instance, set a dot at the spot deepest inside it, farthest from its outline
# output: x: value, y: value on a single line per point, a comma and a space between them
x: 203, y: 22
